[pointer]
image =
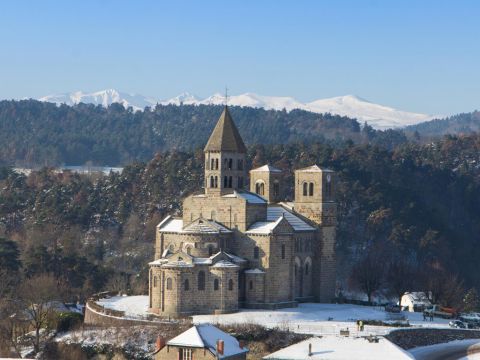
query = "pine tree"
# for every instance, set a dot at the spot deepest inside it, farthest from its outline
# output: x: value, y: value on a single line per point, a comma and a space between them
x: 471, y: 301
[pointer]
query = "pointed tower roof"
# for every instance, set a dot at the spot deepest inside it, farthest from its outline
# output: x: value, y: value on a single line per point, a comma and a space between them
x: 225, y: 135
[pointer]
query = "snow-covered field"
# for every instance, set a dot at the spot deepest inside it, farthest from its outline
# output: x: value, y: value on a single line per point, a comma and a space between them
x: 311, y: 318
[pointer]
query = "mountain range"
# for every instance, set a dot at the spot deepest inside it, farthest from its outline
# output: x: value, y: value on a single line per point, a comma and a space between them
x: 377, y: 116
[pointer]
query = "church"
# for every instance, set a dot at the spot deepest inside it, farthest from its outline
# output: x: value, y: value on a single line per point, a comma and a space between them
x: 234, y: 248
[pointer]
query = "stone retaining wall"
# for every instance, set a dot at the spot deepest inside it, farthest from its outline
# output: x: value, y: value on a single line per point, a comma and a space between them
x: 97, y: 315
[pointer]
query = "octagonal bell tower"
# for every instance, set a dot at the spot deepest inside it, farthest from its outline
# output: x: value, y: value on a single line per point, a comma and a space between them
x: 225, y: 158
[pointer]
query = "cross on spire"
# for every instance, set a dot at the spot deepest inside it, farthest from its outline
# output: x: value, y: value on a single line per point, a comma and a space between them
x: 226, y: 96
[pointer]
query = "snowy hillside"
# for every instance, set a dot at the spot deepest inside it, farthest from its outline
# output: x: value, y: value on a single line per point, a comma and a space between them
x: 378, y: 116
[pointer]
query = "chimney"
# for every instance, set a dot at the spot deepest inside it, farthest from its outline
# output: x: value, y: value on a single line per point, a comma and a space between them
x: 160, y: 343
x: 310, y: 349
x: 220, y: 347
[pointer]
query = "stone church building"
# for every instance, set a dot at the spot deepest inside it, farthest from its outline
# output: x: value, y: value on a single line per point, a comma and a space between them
x: 235, y: 248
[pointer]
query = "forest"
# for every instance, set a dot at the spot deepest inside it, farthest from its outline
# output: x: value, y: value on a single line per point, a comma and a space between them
x: 415, y: 208
x: 35, y: 134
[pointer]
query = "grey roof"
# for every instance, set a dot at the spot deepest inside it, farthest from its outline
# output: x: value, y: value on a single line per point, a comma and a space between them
x: 225, y: 135
x: 275, y: 211
x: 267, y: 168
x: 314, y: 168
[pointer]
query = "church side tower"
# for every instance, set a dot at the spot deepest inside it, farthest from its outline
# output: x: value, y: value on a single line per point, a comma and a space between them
x: 266, y: 181
x: 315, y: 200
x: 225, y: 158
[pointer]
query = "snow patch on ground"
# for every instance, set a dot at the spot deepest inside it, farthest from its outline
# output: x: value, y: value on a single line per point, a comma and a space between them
x: 307, y: 318
x: 133, y: 306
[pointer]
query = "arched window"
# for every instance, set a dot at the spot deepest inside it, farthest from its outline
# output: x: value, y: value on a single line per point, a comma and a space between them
x: 328, y: 189
x: 230, y: 163
x: 212, y: 182
x: 201, y: 280
x: 210, y: 250
x: 307, y: 268
x: 256, y: 252
x: 169, y: 284
x: 230, y: 285
x: 186, y: 285
x: 260, y: 188
x: 225, y: 163
x: 230, y: 182
x: 213, y: 215
x: 189, y: 250
x: 154, y: 281
x: 225, y: 181
x: 216, y: 182
x: 215, y: 284
x: 283, y: 251
x: 250, y: 285
x: 276, y: 189
x: 213, y: 164
x: 240, y: 164
x: 311, y: 189
x: 171, y: 247
x: 305, y: 189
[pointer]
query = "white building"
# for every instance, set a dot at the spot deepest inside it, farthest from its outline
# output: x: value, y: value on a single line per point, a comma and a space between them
x: 341, y: 348
x: 415, y: 301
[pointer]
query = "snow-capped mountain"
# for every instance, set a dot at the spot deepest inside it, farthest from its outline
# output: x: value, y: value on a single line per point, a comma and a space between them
x: 102, y: 97
x: 378, y: 116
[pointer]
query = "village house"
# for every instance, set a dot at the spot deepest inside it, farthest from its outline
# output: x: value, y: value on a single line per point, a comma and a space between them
x: 201, y: 342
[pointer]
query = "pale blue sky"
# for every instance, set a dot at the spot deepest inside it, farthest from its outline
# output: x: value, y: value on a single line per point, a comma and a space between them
x: 419, y: 56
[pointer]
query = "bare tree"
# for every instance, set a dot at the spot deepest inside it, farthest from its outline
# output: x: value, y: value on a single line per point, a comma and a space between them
x: 401, y: 277
x: 367, y: 274
x: 38, y: 295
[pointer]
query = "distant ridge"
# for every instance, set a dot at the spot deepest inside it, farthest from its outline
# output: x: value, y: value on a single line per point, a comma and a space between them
x: 377, y: 116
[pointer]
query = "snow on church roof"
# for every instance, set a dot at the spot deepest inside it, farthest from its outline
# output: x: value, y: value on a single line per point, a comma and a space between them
x: 263, y: 227
x: 274, y: 212
x: 249, y: 196
x: 314, y: 168
x: 202, y: 226
x: 266, y: 168
x: 206, y: 336
x: 225, y: 264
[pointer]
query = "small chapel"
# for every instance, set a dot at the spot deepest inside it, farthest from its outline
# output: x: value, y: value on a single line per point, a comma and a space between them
x: 234, y: 247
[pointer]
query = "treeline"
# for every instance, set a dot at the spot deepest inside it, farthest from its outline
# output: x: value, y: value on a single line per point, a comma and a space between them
x: 466, y: 123
x: 34, y: 133
x: 419, y: 202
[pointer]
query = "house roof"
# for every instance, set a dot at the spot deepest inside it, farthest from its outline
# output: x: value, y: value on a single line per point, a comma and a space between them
x: 225, y: 135
x: 341, y: 348
x: 206, y: 336
x: 266, y: 168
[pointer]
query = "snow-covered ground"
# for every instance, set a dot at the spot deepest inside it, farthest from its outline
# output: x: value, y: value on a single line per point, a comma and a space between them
x: 134, y: 306
x: 140, y: 337
x: 310, y: 318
